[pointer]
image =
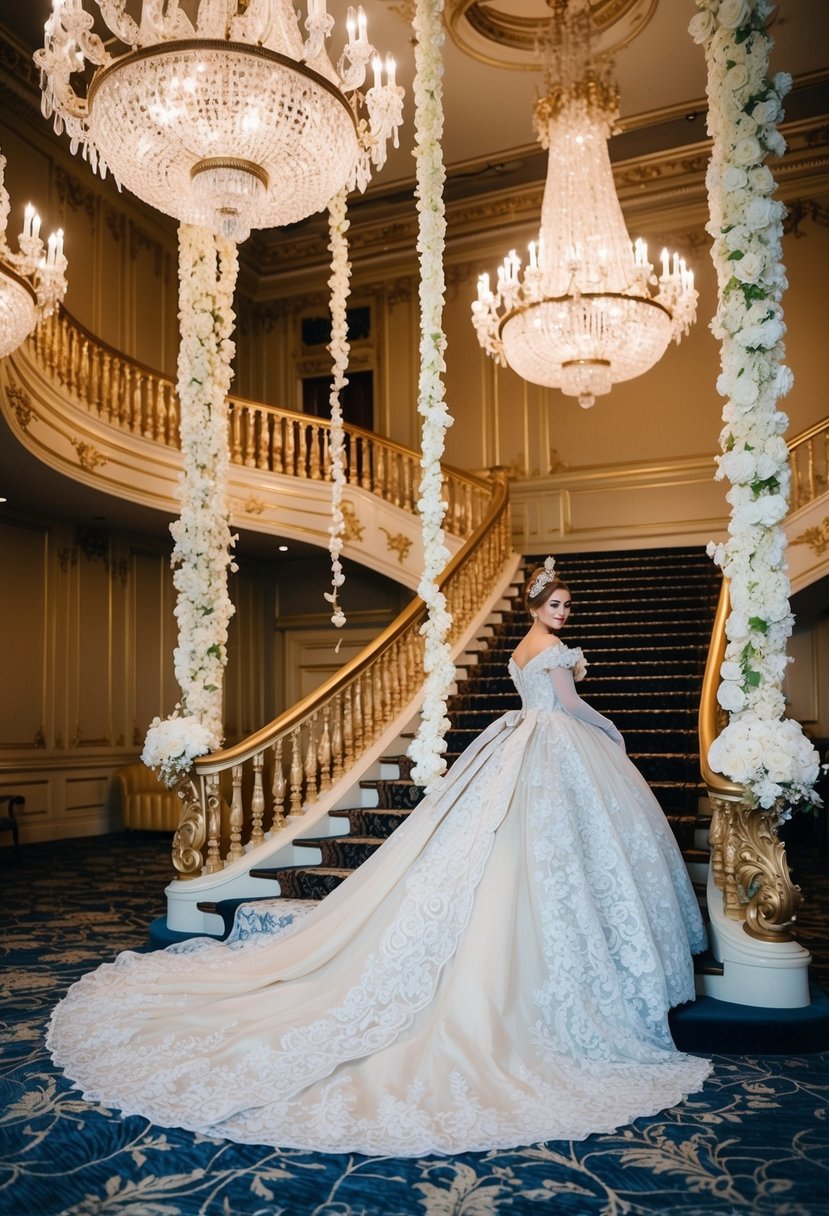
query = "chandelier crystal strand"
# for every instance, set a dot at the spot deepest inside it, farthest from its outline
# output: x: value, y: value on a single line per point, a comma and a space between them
x: 583, y: 316
x: 427, y: 748
x: 202, y: 554
x: 339, y: 284
x: 760, y: 748
x: 231, y: 120
x: 33, y: 280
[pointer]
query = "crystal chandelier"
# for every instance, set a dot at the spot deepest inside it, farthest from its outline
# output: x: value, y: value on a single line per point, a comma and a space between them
x: 232, y: 120
x: 32, y: 281
x: 584, y: 316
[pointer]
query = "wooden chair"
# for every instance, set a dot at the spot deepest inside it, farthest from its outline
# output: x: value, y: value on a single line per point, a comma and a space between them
x: 8, y: 822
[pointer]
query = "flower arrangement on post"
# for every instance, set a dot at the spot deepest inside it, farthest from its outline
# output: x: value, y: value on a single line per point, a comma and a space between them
x: 427, y: 747
x: 759, y: 749
x: 339, y: 284
x: 202, y: 554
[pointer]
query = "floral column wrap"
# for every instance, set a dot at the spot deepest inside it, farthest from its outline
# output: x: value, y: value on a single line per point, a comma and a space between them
x: 759, y: 749
x: 202, y: 554
x: 427, y: 748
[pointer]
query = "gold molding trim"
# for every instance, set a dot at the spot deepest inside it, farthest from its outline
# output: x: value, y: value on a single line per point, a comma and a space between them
x: 353, y: 529
x: 89, y: 458
x: 397, y: 543
x: 817, y: 538
x: 21, y: 404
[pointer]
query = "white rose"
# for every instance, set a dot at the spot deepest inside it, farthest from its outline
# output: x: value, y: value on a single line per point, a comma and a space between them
x: 766, y: 112
x: 748, y: 268
x: 731, y: 671
x: 761, y: 179
x: 773, y: 140
x: 734, y: 13
x: 738, y: 465
x: 731, y: 696
x: 773, y: 508
x: 701, y: 27
x: 744, y: 390
x: 734, y: 178
x: 759, y: 213
x: 747, y: 151
x: 737, y: 77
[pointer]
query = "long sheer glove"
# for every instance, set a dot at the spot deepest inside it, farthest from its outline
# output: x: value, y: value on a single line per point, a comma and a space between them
x: 572, y: 704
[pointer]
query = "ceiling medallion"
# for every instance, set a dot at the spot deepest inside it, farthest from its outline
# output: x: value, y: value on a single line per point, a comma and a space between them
x: 507, y: 33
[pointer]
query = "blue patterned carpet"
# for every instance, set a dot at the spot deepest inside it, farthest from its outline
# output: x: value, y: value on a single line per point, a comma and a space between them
x: 756, y: 1140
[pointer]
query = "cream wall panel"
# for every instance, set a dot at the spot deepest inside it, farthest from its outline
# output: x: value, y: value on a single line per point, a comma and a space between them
x: 310, y: 657
x: 92, y: 672
x: 23, y: 710
x: 152, y: 636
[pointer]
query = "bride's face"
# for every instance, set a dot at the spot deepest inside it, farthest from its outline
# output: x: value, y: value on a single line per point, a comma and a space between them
x: 553, y: 613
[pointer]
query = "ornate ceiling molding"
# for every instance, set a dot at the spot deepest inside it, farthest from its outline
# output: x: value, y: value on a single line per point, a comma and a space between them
x: 506, y: 33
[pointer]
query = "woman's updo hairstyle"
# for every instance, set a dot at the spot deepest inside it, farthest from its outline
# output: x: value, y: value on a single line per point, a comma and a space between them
x: 542, y: 582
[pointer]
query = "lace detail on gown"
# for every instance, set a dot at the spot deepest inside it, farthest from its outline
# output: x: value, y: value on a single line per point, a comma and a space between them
x: 498, y: 973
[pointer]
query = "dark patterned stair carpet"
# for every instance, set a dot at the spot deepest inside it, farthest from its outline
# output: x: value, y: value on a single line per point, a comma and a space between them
x: 644, y: 621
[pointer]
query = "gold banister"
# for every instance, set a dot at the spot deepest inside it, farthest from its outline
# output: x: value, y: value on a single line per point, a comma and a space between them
x: 327, y: 731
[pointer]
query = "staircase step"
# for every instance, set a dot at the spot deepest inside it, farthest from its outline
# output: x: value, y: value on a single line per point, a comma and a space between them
x: 372, y: 821
x: 304, y: 882
x: 396, y: 795
x: 342, y: 852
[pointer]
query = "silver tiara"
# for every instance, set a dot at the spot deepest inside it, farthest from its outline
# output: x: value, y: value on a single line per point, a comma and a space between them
x: 545, y: 576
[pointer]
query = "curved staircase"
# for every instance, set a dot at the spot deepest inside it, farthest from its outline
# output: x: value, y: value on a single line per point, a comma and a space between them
x: 644, y: 621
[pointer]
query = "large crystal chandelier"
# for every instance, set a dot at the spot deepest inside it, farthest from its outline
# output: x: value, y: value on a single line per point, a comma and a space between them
x: 231, y: 120
x: 584, y: 315
x: 33, y: 280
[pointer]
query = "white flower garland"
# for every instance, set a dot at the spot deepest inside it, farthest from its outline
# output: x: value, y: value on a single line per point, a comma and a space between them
x: 759, y: 749
x: 339, y: 283
x: 427, y: 747
x: 202, y: 554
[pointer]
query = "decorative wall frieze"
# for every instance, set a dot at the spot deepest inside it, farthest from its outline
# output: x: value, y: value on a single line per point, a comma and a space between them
x: 21, y: 404
x: 817, y: 538
x: 397, y: 543
x: 89, y: 457
x: 353, y: 530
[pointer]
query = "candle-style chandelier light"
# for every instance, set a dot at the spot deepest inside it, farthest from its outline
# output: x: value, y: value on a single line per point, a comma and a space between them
x: 33, y: 280
x: 584, y: 315
x: 231, y: 120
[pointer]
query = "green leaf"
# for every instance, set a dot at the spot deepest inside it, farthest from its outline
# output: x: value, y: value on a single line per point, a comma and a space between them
x: 753, y: 678
x: 736, y: 255
x: 758, y: 624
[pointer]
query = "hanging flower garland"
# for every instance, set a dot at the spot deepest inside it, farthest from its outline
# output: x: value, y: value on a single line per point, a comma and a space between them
x: 759, y: 748
x: 427, y: 747
x: 202, y: 554
x: 339, y: 284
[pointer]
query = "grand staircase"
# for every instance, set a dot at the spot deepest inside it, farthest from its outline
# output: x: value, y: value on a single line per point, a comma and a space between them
x: 644, y: 621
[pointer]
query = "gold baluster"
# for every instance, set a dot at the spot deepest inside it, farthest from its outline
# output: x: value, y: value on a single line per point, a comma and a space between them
x: 379, y: 486
x: 366, y: 453
x: 384, y: 684
x: 279, y: 789
x: 214, y: 825
x: 348, y: 727
x: 314, y: 468
x: 311, y: 760
x: 262, y: 449
x: 277, y: 461
x: 810, y: 469
x: 237, y: 815
x: 173, y: 415
x: 248, y: 423
x: 326, y: 456
x: 358, y: 721
x: 235, y: 436
x: 394, y: 461
x: 159, y: 412
x: 369, y: 691
x: 337, y: 748
x: 257, y: 802
x: 290, y: 447
x: 324, y: 751
x: 296, y: 772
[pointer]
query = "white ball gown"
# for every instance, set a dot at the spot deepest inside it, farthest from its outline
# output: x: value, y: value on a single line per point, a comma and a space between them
x: 498, y: 973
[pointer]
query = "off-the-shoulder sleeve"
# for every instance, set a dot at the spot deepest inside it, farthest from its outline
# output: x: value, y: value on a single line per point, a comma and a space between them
x: 564, y: 656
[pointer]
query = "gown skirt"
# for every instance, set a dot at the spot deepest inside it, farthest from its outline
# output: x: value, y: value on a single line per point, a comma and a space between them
x: 499, y: 973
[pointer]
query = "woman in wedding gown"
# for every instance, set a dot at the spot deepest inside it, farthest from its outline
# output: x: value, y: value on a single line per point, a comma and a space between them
x: 498, y: 973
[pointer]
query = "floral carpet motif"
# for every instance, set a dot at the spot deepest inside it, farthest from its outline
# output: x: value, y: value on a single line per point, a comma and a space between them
x: 755, y: 1140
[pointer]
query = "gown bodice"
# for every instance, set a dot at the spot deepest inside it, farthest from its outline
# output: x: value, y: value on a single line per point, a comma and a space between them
x: 533, y: 682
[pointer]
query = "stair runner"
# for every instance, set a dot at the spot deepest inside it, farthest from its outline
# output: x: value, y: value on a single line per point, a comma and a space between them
x: 644, y: 621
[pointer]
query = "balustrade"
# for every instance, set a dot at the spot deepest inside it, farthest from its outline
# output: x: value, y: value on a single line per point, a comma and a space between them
x: 809, y: 464
x: 134, y: 398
